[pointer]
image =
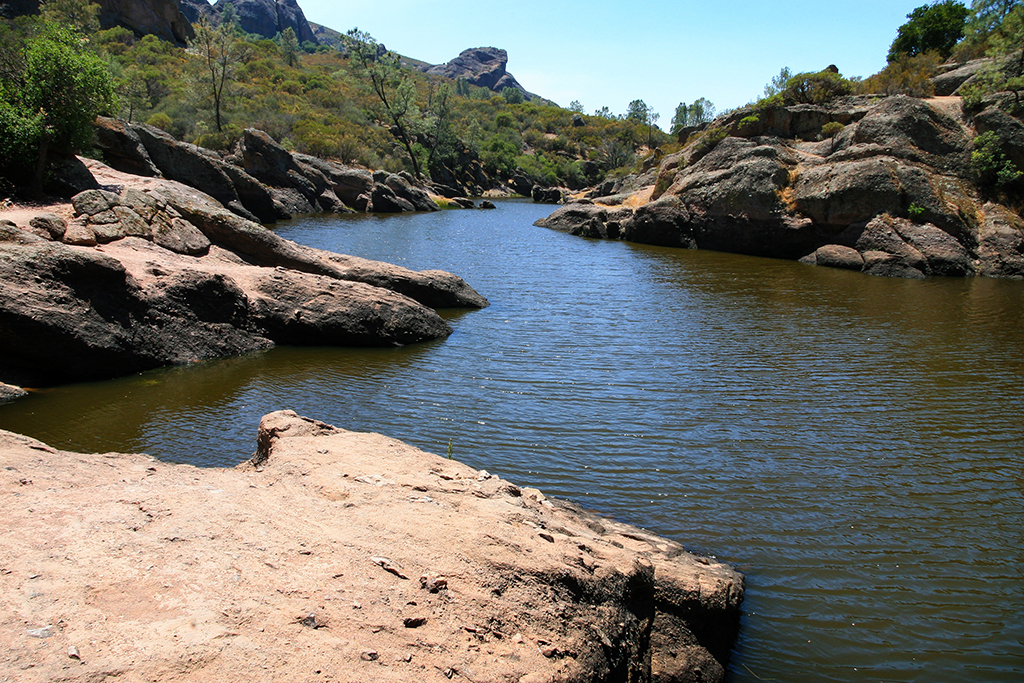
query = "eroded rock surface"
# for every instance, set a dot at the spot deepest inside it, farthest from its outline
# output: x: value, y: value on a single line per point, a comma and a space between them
x: 161, y: 274
x: 895, y: 185
x: 339, y: 554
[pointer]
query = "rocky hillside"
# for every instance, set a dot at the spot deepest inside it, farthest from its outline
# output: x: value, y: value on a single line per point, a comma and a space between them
x: 890, y: 190
x: 162, y: 18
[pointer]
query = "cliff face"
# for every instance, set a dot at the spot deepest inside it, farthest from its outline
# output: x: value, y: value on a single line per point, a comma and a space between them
x: 337, y: 555
x: 894, y: 192
x: 162, y: 18
x: 267, y: 18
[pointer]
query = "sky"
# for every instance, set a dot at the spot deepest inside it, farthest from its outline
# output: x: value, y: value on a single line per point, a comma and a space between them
x: 605, y: 53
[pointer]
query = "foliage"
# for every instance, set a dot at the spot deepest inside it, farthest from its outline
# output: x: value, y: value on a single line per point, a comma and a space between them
x: 697, y: 114
x: 288, y: 43
x: 50, y: 103
x: 778, y: 83
x: 512, y: 95
x: 915, y: 211
x: 995, y: 170
x: 217, y: 54
x: 392, y: 85
x: 707, y: 141
x: 79, y: 14
x: 932, y: 28
x: 906, y: 75
x: 816, y: 88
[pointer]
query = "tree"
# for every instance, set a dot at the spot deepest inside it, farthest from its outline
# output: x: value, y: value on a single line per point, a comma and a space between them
x: 80, y: 14
x: 681, y: 118
x: 512, y: 95
x: 637, y: 111
x: 288, y: 43
x: 937, y: 27
x: 576, y: 107
x: 50, y: 105
x: 701, y: 112
x: 987, y: 15
x: 218, y: 55
x: 392, y: 86
x: 778, y: 83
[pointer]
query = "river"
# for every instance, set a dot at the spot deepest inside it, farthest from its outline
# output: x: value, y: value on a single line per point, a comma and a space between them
x: 853, y: 444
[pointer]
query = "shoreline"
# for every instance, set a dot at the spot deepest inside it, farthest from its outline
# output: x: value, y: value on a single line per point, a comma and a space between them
x: 122, y: 564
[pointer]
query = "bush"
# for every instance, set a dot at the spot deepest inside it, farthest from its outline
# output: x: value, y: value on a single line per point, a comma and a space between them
x: 706, y: 142
x: 160, y: 120
x: 816, y: 88
x: 906, y: 75
x: 995, y: 170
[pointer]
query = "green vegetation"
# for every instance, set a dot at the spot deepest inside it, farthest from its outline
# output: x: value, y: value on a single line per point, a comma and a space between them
x: 937, y: 27
x: 995, y: 170
x: 51, y: 89
x: 696, y: 114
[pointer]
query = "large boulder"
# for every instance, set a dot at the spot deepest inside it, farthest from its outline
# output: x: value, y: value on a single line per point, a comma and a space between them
x: 122, y: 147
x: 480, y: 66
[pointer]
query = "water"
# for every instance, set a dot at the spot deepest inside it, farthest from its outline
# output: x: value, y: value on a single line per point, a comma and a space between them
x: 853, y: 444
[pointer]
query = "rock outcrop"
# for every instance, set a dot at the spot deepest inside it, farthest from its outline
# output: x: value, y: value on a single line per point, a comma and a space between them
x: 265, y: 18
x: 162, y: 274
x: 892, y: 193
x: 342, y: 555
x: 262, y: 181
x: 480, y: 66
x: 161, y: 18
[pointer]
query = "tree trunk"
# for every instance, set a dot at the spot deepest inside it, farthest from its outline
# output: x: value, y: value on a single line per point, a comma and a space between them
x: 37, y: 180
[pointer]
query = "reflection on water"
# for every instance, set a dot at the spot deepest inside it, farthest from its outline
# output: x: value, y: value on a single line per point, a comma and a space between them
x: 851, y: 443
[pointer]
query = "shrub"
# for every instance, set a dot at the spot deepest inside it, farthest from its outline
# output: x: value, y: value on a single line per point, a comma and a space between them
x: 995, y: 170
x: 915, y: 211
x: 706, y: 142
x: 816, y: 88
x: 160, y: 120
x: 906, y: 75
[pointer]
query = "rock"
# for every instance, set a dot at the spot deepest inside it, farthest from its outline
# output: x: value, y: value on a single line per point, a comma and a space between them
x: 162, y: 18
x: 201, y: 168
x: 122, y: 148
x: 1000, y: 240
x: 483, y: 67
x: 546, y: 195
x: 588, y: 220
x: 487, y: 204
x: 51, y: 224
x: 67, y: 176
x: 956, y: 75
x: 9, y: 392
x: 1009, y: 130
x: 268, y: 18
x: 145, y: 298
x: 836, y: 256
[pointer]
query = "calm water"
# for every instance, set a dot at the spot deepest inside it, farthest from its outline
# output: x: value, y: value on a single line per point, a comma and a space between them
x: 853, y: 444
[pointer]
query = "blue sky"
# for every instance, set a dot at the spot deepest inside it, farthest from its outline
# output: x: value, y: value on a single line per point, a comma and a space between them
x: 605, y: 53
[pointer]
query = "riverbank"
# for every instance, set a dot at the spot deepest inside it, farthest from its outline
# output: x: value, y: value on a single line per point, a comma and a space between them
x: 335, y: 555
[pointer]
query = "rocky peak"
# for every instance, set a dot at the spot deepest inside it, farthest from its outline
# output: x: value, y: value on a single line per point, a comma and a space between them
x: 267, y: 18
x: 481, y: 66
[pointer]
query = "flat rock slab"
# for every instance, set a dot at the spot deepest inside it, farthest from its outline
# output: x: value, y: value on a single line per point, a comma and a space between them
x: 341, y: 556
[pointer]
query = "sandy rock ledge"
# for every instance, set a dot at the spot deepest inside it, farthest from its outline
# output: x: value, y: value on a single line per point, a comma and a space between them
x: 336, y: 556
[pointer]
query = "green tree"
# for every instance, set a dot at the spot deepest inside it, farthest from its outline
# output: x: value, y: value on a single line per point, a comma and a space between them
x: 218, y: 54
x: 681, y: 118
x: 701, y: 111
x: 576, y: 107
x: 51, y: 104
x: 80, y: 14
x: 512, y: 95
x: 816, y: 88
x: 637, y: 111
x: 288, y: 43
x: 937, y: 27
x: 778, y: 83
x: 392, y: 86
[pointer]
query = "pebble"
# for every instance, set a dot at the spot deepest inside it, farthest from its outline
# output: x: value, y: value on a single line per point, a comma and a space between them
x: 44, y: 632
x: 73, y: 653
x: 369, y: 655
x: 433, y: 583
x: 414, y: 622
